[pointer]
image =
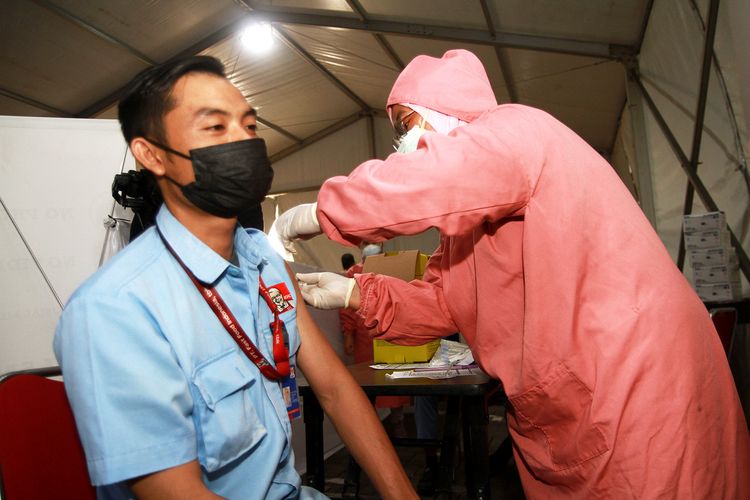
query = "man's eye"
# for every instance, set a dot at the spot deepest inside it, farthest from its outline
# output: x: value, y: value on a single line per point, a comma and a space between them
x: 215, y: 127
x: 252, y: 127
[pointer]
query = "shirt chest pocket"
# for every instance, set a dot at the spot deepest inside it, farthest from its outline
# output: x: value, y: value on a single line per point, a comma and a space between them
x: 227, y: 424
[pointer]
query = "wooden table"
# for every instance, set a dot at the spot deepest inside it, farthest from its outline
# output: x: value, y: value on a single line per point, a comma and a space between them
x: 466, y: 402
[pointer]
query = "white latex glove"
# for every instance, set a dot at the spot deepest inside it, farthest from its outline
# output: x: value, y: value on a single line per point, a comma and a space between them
x: 326, y: 290
x: 297, y: 222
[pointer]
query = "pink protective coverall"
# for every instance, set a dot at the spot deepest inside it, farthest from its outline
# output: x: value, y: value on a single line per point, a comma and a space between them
x: 618, y: 384
x: 353, y: 324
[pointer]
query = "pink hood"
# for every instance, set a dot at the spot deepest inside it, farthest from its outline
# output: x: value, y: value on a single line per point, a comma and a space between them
x: 456, y: 85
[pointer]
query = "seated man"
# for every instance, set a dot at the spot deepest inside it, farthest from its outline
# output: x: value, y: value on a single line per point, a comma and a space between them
x: 178, y: 361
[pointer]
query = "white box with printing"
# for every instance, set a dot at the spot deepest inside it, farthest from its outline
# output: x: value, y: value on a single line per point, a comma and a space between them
x: 716, y: 292
x: 702, y: 222
x: 712, y: 257
x: 716, y: 274
x: 714, y: 238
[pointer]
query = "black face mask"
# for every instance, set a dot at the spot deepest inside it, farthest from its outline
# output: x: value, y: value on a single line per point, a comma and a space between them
x: 230, y: 178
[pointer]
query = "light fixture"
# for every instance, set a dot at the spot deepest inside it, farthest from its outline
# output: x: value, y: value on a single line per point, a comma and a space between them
x: 257, y: 37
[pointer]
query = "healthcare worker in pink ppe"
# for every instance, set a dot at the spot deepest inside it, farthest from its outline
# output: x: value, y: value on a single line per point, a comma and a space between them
x: 617, y: 381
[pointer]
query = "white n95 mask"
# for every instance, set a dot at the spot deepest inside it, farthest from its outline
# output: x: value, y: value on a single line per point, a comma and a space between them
x: 408, y: 142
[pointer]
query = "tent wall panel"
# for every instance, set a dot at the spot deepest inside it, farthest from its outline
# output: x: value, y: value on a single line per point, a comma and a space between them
x: 670, y: 66
x: 55, y: 178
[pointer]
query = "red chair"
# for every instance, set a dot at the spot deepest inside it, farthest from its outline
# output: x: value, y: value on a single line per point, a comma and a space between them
x: 40, y: 453
x: 725, y: 322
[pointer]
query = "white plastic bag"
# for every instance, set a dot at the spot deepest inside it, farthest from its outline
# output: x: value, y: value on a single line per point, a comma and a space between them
x: 451, y: 354
x: 117, y: 236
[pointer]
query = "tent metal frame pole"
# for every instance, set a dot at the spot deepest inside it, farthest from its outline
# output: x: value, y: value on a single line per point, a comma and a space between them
x: 317, y: 137
x: 464, y: 35
x: 372, y: 150
x: 31, y: 254
x: 387, y: 47
x: 292, y: 44
x: 193, y: 49
x: 500, y: 54
x: 644, y: 186
x: 278, y: 129
x: 700, y: 114
x: 693, y: 177
x: 390, y: 51
x: 196, y: 48
x: 34, y: 103
x: 741, y: 156
x: 95, y: 31
x: 644, y: 26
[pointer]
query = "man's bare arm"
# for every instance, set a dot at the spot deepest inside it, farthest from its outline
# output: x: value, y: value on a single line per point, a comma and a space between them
x: 182, y: 481
x: 349, y: 409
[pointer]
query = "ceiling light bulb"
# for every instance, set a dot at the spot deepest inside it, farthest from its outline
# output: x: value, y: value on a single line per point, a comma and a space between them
x: 258, y: 37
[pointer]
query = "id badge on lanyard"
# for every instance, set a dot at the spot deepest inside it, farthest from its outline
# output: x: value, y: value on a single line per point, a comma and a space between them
x: 289, y: 384
x: 291, y: 396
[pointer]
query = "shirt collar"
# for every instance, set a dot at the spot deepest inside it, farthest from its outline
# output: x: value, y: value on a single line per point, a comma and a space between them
x: 202, y: 261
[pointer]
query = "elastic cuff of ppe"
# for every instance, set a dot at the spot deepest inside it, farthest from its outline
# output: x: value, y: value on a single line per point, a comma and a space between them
x: 314, y: 208
x: 349, y: 290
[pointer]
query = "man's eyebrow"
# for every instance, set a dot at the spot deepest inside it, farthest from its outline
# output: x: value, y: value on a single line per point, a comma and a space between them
x: 209, y: 112
x: 202, y: 112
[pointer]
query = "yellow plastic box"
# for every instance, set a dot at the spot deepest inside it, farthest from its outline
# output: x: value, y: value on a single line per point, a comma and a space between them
x: 406, y: 265
x: 386, y: 352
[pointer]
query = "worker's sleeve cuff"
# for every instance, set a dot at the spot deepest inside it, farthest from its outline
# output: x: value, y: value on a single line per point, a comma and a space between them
x: 349, y: 291
x: 314, y: 212
x: 366, y: 292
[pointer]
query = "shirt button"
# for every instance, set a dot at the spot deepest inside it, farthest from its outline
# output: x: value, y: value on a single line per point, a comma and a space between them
x: 234, y: 272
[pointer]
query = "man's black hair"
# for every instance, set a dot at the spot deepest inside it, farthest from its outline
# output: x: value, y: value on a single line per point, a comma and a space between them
x: 145, y: 101
x: 148, y: 97
x: 347, y: 261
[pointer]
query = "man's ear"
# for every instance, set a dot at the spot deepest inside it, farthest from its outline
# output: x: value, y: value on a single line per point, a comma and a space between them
x: 148, y: 155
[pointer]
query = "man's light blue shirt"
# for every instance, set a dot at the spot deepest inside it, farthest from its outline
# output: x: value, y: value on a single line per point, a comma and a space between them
x: 154, y: 379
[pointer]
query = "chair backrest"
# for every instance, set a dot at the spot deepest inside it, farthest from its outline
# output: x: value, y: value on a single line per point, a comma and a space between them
x: 725, y: 321
x: 40, y: 453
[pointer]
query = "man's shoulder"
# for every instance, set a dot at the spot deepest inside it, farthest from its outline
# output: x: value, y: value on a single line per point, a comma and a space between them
x: 259, y: 240
x: 131, y: 264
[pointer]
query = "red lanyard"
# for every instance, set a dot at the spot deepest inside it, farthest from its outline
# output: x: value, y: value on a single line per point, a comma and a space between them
x: 235, y: 330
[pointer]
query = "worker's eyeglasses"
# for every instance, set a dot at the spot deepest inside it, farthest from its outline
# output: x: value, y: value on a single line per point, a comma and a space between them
x: 400, y: 129
x: 401, y: 125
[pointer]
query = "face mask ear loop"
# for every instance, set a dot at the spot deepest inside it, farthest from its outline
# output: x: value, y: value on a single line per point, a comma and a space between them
x: 173, y: 181
x: 169, y: 150
x: 423, y: 121
x: 166, y: 148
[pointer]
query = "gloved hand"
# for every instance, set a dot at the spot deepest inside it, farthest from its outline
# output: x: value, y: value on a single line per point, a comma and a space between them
x: 326, y: 290
x: 297, y: 222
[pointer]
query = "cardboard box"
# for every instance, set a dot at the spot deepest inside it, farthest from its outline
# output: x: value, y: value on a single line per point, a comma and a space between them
x: 406, y: 265
x: 713, y: 257
x: 716, y: 274
x: 386, y: 352
x: 702, y: 222
x: 713, y: 238
x: 718, y: 292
